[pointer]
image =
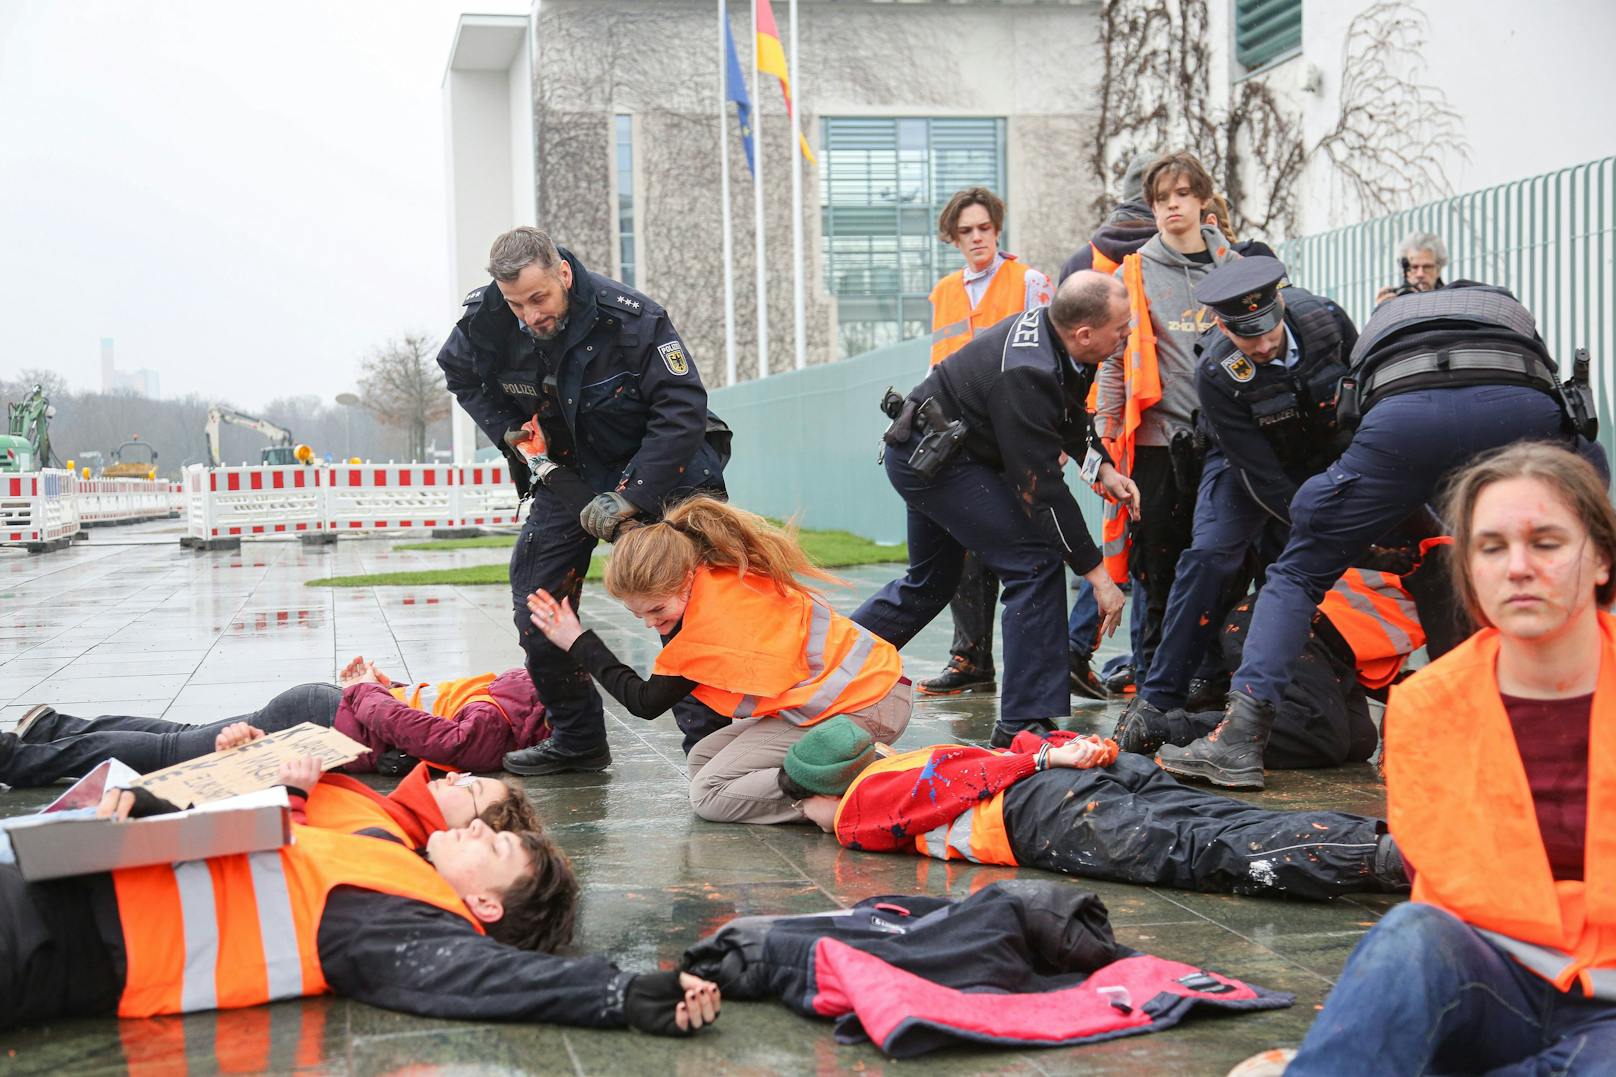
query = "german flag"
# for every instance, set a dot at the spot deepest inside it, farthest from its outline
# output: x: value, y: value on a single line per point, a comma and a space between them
x: 771, y: 60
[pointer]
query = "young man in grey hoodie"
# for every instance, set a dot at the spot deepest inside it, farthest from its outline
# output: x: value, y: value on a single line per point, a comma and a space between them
x: 1169, y: 266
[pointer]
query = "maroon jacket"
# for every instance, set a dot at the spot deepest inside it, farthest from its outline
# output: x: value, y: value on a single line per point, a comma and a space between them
x: 476, y: 738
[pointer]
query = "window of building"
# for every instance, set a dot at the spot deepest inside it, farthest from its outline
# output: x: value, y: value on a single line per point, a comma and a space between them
x: 1265, y: 30
x: 624, y: 146
x: 883, y: 181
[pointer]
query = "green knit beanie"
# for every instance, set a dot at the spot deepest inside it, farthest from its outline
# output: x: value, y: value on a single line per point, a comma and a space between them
x: 829, y: 756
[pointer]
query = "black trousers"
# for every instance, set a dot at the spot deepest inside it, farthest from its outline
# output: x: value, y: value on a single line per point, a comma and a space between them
x: 53, y: 959
x: 975, y: 601
x: 69, y: 747
x: 1132, y: 822
x: 1160, y: 535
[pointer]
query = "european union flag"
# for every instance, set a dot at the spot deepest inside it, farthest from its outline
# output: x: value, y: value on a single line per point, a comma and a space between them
x: 735, y: 90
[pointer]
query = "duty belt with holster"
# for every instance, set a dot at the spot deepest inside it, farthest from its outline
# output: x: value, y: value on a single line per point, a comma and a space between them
x: 1355, y: 397
x: 940, y: 437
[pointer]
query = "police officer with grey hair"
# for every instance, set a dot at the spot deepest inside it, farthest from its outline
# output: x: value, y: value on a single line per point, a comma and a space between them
x: 620, y: 404
x: 1266, y: 382
x: 1436, y: 379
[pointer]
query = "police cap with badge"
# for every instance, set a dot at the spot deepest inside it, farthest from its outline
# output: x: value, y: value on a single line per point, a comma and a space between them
x: 1244, y: 294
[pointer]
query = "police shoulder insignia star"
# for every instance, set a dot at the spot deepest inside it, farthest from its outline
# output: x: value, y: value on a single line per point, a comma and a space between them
x: 472, y: 297
x: 1239, y: 368
x: 673, y: 357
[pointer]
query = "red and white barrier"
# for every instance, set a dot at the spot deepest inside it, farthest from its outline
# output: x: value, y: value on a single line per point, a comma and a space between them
x: 230, y: 503
x: 119, y: 501
x: 39, y: 509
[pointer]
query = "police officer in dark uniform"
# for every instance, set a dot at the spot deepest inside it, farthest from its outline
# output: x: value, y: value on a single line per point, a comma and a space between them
x: 620, y: 403
x: 975, y: 452
x: 1266, y: 383
x: 1438, y: 378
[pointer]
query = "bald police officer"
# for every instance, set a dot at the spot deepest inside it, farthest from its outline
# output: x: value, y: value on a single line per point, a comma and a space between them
x: 619, y: 400
x: 1266, y: 383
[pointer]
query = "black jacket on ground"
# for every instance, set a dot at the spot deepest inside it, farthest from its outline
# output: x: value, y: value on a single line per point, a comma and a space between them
x: 617, y: 392
x: 62, y: 954
x: 1276, y: 425
x: 1023, y: 399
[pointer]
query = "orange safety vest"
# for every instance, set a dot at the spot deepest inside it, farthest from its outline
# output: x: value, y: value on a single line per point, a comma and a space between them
x: 754, y: 652
x: 1141, y: 388
x: 1458, y: 802
x: 977, y: 834
x: 410, y: 813
x: 449, y: 696
x: 1375, y: 614
x: 242, y: 930
x: 954, y: 321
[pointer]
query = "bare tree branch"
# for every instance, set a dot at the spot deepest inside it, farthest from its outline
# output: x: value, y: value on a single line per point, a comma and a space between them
x: 402, y: 385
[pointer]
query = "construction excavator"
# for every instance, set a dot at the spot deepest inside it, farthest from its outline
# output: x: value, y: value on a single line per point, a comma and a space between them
x: 26, y: 444
x: 280, y: 450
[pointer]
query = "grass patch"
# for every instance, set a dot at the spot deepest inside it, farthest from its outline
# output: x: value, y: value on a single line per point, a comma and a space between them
x: 827, y: 549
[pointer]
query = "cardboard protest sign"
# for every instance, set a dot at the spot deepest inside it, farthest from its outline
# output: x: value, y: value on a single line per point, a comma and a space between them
x: 249, y: 767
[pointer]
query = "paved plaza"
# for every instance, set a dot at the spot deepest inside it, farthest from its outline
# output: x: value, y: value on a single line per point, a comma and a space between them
x: 130, y: 623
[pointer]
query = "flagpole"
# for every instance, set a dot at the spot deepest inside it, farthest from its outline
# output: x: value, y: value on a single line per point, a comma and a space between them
x: 723, y: 173
x: 798, y: 287
x: 757, y: 202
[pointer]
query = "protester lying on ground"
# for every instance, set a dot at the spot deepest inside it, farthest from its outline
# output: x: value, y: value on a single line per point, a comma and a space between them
x: 721, y: 586
x: 1072, y: 804
x: 465, y: 724
x: 418, y: 806
x: 1501, y: 789
x: 1366, y: 628
x: 359, y: 915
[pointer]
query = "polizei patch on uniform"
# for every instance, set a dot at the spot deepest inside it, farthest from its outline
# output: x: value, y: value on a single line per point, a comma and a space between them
x: 673, y: 357
x: 1239, y: 368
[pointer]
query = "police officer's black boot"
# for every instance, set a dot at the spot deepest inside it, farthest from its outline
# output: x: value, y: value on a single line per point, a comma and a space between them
x: 1004, y: 734
x: 1232, y: 754
x: 960, y: 677
x: 1141, y: 728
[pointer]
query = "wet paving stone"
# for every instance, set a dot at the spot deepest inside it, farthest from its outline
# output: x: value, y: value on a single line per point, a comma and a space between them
x: 200, y: 636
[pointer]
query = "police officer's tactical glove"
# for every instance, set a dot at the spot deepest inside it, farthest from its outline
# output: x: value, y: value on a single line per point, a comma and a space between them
x: 650, y: 1003
x: 606, y: 515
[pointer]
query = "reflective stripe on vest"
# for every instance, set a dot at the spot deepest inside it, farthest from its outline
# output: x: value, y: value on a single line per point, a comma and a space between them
x: 277, y: 931
x: 951, y: 330
x: 1377, y: 618
x: 1550, y: 963
x: 955, y: 835
x: 834, y: 685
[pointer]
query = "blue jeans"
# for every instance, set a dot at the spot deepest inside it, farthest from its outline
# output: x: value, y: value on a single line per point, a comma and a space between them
x: 969, y: 506
x: 1426, y: 993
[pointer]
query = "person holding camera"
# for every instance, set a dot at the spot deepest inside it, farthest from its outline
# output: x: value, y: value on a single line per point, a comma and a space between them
x: 976, y: 453
x: 1422, y: 257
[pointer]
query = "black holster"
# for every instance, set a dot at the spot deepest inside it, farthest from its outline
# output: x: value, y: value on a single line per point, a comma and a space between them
x: 940, y: 440
x: 1186, y: 457
x: 1578, y: 399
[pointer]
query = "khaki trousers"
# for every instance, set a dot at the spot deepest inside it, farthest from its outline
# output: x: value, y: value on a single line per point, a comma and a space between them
x: 734, y: 773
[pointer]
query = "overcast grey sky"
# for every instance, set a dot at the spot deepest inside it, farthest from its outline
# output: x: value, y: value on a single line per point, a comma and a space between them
x: 247, y: 197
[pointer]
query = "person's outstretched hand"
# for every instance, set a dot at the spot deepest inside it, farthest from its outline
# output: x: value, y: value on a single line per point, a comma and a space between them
x: 555, y: 619
x: 235, y: 735
x: 671, y: 1003
x: 359, y: 671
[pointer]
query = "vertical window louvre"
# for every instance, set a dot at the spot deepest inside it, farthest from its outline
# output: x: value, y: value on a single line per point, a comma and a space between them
x: 1265, y: 30
x: 882, y: 183
x: 624, y: 147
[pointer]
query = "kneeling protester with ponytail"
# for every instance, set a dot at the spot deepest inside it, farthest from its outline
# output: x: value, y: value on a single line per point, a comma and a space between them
x: 746, y: 638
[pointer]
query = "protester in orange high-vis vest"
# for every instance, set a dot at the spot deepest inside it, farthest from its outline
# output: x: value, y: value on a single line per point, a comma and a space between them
x: 990, y: 288
x: 1500, y: 767
x: 1069, y: 803
x: 461, y: 933
x: 744, y: 635
x: 465, y: 724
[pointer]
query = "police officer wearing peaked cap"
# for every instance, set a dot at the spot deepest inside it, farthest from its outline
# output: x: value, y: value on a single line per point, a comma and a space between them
x: 1438, y: 378
x: 1266, y: 383
x: 621, y: 404
x: 999, y: 413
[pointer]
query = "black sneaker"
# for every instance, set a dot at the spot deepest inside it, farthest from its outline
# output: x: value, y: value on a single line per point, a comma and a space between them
x: 37, y: 717
x: 1085, y: 682
x: 1004, y: 734
x: 960, y: 677
x: 1121, y: 682
x: 545, y: 758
